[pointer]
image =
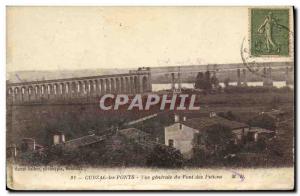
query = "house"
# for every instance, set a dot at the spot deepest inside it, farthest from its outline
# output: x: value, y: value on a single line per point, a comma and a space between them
x: 256, y: 133
x: 28, y: 144
x: 181, y: 133
x: 58, y: 137
x: 11, y: 151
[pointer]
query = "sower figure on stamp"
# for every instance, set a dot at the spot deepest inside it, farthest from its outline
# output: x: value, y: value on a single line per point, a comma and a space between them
x: 266, y: 28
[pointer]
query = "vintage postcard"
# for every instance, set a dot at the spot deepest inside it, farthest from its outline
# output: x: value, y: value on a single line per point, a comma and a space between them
x: 150, y: 98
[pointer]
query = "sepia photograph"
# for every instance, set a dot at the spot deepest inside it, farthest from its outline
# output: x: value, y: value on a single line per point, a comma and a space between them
x: 150, y: 98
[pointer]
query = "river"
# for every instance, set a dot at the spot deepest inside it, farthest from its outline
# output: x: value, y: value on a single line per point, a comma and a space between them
x: 158, y: 87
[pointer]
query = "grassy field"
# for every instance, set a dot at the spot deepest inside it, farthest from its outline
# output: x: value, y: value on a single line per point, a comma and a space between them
x: 77, y: 120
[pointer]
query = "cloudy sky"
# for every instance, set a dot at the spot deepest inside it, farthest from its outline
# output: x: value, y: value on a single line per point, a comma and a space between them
x: 57, y: 38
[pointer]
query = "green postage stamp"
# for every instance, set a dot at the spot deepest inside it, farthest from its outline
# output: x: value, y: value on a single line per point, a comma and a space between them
x: 270, y: 32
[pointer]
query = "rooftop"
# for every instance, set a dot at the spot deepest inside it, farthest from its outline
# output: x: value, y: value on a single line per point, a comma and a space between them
x: 84, y: 141
x: 260, y: 130
x: 204, y: 122
x: 132, y: 133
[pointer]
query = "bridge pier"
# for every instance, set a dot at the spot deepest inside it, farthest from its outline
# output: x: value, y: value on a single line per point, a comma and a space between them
x: 238, y: 77
x: 63, y: 90
x: 112, y: 86
x: 9, y: 96
x: 173, y: 81
x: 245, y: 77
x: 96, y: 88
x: 288, y: 76
x: 267, y: 77
x: 36, y: 93
x: 91, y: 89
x: 24, y: 94
x: 179, y: 80
x: 16, y: 95
x: 117, y: 85
x: 122, y: 86
x: 130, y: 87
x: 142, y: 88
x: 50, y: 91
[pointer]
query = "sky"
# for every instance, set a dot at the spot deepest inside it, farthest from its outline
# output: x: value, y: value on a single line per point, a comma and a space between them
x: 59, y: 38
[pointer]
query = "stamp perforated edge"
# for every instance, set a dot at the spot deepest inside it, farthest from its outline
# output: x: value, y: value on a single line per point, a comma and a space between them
x: 291, y: 26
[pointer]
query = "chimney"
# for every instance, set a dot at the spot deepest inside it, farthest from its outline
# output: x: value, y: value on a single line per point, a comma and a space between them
x: 176, y: 118
x: 91, y: 132
x: 58, y: 138
x: 12, y: 150
x: 28, y: 144
x: 212, y: 114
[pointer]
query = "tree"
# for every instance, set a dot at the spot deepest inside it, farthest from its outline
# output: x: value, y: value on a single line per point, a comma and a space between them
x: 208, y: 84
x: 214, y: 81
x: 212, y: 145
x: 199, y: 84
x: 226, y: 82
x: 264, y: 121
x: 218, y: 138
x: 228, y: 115
x: 205, y: 81
x: 165, y: 156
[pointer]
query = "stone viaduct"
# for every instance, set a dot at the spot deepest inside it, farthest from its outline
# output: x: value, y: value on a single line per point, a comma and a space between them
x: 83, y: 87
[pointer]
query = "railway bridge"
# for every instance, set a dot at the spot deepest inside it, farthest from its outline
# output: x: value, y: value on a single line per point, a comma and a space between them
x: 241, y: 71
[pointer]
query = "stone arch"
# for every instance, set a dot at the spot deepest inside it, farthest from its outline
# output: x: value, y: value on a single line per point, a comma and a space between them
x: 30, y: 93
x: 24, y: 93
x: 43, y: 91
x: 16, y: 90
x: 56, y: 89
x: 62, y: 89
x: 37, y: 92
x: 16, y: 94
x: 85, y: 87
x: 49, y: 91
x: 9, y: 92
x: 67, y: 88
x: 80, y: 88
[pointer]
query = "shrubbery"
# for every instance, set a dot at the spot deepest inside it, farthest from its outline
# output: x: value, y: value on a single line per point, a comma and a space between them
x: 165, y: 156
